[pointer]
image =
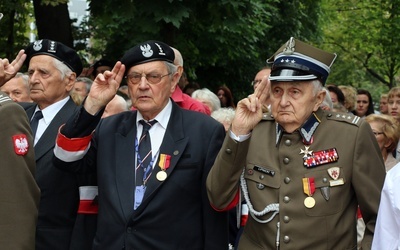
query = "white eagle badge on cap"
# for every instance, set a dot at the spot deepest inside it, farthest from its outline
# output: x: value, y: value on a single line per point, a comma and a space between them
x: 290, y: 45
x: 37, y: 45
x: 146, y: 50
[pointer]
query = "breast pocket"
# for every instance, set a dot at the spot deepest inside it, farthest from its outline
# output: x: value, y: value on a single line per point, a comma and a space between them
x: 330, y: 187
x: 262, y: 183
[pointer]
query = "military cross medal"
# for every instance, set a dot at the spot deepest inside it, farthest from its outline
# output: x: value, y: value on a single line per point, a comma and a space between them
x: 306, y: 152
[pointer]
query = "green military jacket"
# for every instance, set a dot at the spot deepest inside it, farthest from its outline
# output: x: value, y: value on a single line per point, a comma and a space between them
x: 19, y: 193
x: 302, y: 188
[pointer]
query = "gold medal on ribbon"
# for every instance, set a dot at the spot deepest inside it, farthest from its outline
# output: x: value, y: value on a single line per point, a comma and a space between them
x: 165, y: 160
x: 161, y: 176
x: 309, y: 190
x: 309, y: 202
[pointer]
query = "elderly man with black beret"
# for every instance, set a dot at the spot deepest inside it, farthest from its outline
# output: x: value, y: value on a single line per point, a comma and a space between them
x: 303, y: 171
x: 151, y: 163
x: 52, y: 69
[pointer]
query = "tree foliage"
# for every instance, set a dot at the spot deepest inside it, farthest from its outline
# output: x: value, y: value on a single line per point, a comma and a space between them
x: 365, y: 35
x: 14, y: 26
x: 222, y: 41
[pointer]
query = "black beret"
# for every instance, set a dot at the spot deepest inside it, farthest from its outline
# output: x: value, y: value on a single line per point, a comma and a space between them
x: 147, y: 52
x: 57, y: 50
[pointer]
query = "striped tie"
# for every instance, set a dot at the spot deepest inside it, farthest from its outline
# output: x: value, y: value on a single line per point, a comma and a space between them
x: 144, y: 152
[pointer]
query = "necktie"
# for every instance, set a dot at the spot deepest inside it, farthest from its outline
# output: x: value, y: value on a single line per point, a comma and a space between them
x: 144, y: 153
x: 35, y: 121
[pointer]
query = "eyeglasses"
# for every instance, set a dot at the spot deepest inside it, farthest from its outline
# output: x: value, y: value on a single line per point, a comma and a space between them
x: 377, y: 133
x: 152, y: 78
x: 255, y: 82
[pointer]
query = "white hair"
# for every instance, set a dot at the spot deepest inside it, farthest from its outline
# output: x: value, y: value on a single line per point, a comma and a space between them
x: 62, y: 68
x: 207, y: 95
x: 328, y: 100
x: 224, y: 114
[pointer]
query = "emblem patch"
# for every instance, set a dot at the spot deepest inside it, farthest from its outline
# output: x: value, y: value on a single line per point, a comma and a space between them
x: 21, y: 145
x: 37, y: 45
x: 146, y: 50
x: 334, y: 172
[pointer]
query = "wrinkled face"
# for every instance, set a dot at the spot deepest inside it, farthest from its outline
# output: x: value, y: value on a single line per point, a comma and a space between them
x: 293, y: 102
x: 394, y: 106
x: 150, y: 98
x: 17, y: 90
x: 383, y: 105
x: 45, y: 81
x: 362, y: 105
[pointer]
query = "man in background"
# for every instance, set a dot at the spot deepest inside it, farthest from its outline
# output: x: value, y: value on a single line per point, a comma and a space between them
x: 17, y: 88
x: 183, y: 100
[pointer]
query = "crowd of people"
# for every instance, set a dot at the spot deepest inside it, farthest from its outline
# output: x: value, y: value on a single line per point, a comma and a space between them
x: 132, y: 155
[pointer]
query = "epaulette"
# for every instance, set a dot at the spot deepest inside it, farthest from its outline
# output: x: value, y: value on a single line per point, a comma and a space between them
x: 267, y: 117
x: 4, y: 98
x: 344, y: 117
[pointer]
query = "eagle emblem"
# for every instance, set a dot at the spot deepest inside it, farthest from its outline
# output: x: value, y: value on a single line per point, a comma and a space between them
x: 146, y: 50
x: 21, y: 144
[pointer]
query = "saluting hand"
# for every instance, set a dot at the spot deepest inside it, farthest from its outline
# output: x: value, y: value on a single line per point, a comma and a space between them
x: 9, y: 70
x: 249, y: 110
x: 104, y: 88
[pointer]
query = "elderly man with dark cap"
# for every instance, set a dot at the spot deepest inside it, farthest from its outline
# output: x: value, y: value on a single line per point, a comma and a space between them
x: 151, y: 163
x: 52, y: 70
x: 303, y: 171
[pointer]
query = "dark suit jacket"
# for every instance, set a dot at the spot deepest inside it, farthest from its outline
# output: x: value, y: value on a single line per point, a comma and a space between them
x: 19, y: 193
x: 175, y: 213
x: 59, y: 189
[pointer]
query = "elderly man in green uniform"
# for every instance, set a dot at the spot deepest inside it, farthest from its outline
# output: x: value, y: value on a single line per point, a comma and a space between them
x: 303, y: 171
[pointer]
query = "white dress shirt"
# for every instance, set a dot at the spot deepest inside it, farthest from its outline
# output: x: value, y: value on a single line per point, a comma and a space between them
x: 48, y: 115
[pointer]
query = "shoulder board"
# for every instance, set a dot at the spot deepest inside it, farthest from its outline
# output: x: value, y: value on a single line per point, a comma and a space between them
x: 267, y: 117
x: 4, y: 98
x: 344, y: 117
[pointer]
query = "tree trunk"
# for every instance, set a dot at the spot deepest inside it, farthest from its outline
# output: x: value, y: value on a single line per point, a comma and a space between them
x: 53, y: 22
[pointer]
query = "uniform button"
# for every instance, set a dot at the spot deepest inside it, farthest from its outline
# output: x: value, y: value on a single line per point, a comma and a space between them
x: 286, y: 219
x: 324, y: 180
x: 228, y: 151
x: 260, y: 186
x: 288, y: 142
x: 286, y: 199
x: 286, y: 160
x: 129, y: 230
x: 261, y: 177
x: 287, y: 180
x: 286, y: 239
x: 329, y: 115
